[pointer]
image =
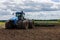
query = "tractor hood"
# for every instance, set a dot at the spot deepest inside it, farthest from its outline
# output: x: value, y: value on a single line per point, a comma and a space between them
x: 14, y: 18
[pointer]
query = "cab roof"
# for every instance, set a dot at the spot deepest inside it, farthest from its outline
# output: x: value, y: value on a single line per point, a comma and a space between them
x: 18, y: 12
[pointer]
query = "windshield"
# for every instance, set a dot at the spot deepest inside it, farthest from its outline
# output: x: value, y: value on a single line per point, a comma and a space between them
x: 18, y: 15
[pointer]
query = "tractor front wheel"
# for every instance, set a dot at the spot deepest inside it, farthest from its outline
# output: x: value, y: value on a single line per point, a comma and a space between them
x: 9, y: 25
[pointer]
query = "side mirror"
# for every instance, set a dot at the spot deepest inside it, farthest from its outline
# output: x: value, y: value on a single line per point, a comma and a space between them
x: 12, y: 13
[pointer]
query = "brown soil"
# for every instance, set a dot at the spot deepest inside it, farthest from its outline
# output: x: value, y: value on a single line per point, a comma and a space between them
x: 39, y: 33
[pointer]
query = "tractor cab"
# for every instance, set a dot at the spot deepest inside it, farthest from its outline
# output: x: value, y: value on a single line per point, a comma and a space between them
x: 20, y: 15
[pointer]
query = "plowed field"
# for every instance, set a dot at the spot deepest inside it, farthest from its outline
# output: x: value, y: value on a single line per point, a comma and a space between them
x: 38, y: 33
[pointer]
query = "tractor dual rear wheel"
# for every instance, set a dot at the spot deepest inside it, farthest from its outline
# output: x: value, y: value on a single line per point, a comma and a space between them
x: 31, y: 24
x: 22, y: 24
x: 25, y: 24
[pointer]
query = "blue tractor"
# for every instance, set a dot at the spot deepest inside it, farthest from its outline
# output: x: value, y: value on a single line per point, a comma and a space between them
x: 19, y: 22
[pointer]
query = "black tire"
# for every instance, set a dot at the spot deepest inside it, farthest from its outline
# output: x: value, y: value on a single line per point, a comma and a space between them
x: 25, y: 24
x: 22, y: 24
x: 9, y: 25
x: 31, y: 24
x: 19, y: 24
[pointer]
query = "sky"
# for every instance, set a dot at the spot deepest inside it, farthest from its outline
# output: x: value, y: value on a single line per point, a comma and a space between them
x: 44, y: 9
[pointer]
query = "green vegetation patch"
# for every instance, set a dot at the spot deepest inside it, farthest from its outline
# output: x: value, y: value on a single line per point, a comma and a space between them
x: 2, y: 23
x: 45, y: 22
